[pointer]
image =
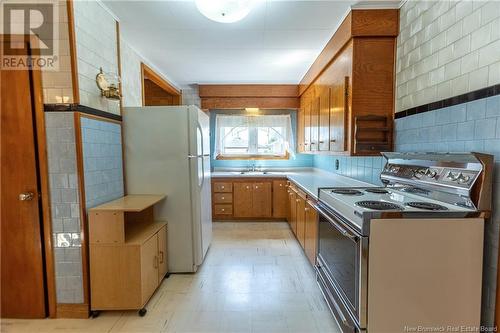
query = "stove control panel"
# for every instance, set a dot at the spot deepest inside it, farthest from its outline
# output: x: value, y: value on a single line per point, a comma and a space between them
x: 432, y: 175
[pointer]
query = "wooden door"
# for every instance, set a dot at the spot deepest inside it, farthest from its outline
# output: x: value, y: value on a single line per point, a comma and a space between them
x: 242, y: 199
x: 293, y: 210
x: 149, y: 267
x: 279, y: 198
x: 315, y: 123
x: 262, y: 199
x: 311, y: 232
x: 162, y: 253
x: 22, y: 267
x: 301, y: 219
x: 324, y: 118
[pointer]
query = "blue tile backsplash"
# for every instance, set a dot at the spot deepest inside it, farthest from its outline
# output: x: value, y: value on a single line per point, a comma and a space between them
x: 471, y: 126
x: 366, y: 169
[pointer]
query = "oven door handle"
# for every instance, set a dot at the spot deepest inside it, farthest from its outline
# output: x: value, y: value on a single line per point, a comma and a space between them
x: 336, y: 224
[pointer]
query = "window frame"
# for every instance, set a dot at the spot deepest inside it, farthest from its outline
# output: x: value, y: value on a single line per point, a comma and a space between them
x: 253, y: 140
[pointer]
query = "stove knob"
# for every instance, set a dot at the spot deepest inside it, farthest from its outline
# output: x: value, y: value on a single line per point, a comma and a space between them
x: 419, y: 173
x: 431, y: 173
x: 463, y: 179
x: 451, y: 176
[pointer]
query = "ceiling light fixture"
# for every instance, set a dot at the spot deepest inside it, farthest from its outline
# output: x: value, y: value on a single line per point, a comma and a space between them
x: 225, y: 11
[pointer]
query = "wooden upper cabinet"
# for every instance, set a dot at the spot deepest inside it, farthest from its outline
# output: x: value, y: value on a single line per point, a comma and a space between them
x: 300, y: 129
x: 262, y: 199
x: 324, y: 117
x: 242, y: 199
x: 348, y: 93
x: 315, y: 122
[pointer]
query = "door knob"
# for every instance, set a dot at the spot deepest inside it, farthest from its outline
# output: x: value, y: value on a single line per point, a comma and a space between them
x: 26, y: 196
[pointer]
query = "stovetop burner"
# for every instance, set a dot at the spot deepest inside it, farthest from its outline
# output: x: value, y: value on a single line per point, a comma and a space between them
x: 378, y: 205
x: 426, y: 205
x: 347, y: 191
x: 377, y: 190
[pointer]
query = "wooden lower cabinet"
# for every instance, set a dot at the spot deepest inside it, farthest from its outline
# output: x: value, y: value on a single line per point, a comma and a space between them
x: 128, y: 253
x: 280, y: 202
x: 301, y: 219
x: 311, y: 232
x: 292, y: 199
x: 243, y: 197
x: 262, y: 205
x: 249, y: 198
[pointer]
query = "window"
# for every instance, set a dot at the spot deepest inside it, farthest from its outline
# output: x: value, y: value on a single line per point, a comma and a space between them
x: 243, y: 137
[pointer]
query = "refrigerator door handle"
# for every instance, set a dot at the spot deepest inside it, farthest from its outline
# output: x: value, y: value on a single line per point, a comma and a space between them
x: 202, y: 154
x: 194, y: 156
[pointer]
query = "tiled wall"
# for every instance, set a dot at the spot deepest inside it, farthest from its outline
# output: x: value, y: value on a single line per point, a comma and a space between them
x: 446, y: 48
x: 65, y: 206
x: 96, y: 44
x: 296, y: 160
x: 366, y: 169
x: 190, y: 95
x: 102, y: 157
x: 131, y: 75
x: 473, y: 126
x: 57, y: 85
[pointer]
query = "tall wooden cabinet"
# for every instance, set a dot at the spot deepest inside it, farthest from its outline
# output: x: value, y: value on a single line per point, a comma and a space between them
x: 347, y: 96
x: 128, y: 253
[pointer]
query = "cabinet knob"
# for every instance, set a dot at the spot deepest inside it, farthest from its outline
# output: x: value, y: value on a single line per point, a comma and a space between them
x: 256, y: 186
x: 223, y: 209
x: 297, y: 200
x: 222, y: 198
x: 222, y: 187
x: 248, y: 187
x: 281, y: 185
x: 306, y: 209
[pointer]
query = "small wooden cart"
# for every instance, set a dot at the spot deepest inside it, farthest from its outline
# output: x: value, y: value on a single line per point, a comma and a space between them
x: 128, y: 253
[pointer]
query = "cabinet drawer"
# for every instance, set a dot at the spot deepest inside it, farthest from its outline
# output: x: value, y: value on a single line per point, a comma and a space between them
x: 223, y: 187
x: 223, y: 198
x: 223, y: 209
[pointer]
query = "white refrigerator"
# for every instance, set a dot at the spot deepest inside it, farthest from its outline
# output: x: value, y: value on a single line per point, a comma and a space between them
x: 167, y: 151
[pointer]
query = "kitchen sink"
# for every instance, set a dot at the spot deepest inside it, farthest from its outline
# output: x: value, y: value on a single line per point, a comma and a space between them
x: 252, y: 173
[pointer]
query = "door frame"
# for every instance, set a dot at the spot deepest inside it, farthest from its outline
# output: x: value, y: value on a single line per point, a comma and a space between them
x: 42, y: 166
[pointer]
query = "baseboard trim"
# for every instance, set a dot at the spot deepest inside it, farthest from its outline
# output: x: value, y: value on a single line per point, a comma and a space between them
x: 75, y: 311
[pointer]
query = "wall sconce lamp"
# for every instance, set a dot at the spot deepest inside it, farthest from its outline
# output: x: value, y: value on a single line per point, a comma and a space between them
x: 108, y: 83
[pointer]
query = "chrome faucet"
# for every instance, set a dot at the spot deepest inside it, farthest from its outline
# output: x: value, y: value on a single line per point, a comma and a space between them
x: 252, y: 168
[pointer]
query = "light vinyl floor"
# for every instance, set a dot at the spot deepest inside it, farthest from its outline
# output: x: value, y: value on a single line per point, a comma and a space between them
x: 255, y: 278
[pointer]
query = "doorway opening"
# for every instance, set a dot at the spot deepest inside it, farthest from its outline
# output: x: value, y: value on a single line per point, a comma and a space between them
x: 156, y: 91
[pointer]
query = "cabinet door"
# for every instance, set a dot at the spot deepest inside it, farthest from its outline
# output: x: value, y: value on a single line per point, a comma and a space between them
x: 279, y: 198
x: 324, y: 118
x: 315, y: 123
x: 311, y: 232
x: 242, y: 199
x: 162, y: 253
x: 338, y: 110
x: 262, y: 199
x: 293, y: 210
x: 301, y: 219
x: 300, y: 129
x: 307, y: 123
x: 149, y: 267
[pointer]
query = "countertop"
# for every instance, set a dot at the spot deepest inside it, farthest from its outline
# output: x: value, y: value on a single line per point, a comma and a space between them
x: 308, y: 179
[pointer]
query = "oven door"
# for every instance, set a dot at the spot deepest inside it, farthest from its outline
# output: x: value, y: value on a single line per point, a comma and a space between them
x: 342, y: 258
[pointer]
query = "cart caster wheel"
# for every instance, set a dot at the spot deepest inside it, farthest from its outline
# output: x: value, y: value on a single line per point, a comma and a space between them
x: 95, y: 314
x: 167, y: 276
x: 142, y: 312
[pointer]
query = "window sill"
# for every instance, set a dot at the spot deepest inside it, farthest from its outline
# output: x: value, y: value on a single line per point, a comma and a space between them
x: 252, y: 157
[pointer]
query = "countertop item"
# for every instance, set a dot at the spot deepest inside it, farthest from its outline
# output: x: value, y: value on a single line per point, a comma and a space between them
x: 308, y: 179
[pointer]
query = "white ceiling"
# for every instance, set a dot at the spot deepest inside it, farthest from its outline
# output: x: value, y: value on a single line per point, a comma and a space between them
x: 276, y: 43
